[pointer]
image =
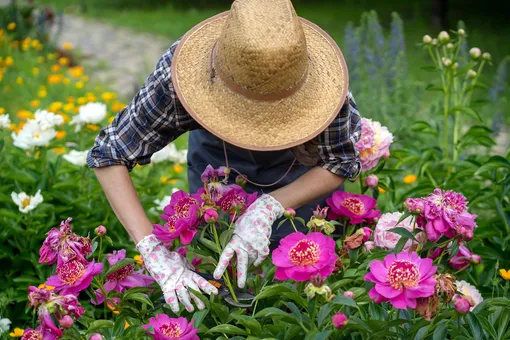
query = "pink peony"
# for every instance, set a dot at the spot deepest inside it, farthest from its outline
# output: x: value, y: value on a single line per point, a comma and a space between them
x: 415, y: 204
x: 369, y: 246
x: 461, y: 305
x: 441, y: 210
x: 66, y: 322
x: 35, y: 334
x: 358, y: 208
x: 463, y: 258
x: 64, y: 245
x: 300, y: 256
x: 235, y: 201
x: 401, y: 279
x: 374, y: 143
x: 123, y: 278
x: 162, y: 327
x: 96, y: 336
x: 367, y: 233
x: 74, y: 276
x: 349, y: 294
x: 339, y: 320
x: 216, y: 180
x: 100, y: 231
x: 371, y: 181
x: 388, y: 240
x: 210, y: 215
x: 182, y: 216
x: 465, y: 225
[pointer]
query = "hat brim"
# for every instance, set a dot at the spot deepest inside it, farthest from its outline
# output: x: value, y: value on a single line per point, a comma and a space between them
x: 256, y: 124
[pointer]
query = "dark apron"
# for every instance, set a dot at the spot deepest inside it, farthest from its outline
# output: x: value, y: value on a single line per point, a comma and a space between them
x: 260, y: 167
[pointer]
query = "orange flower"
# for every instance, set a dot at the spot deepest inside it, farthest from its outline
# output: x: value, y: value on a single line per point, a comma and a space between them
x: 118, y: 106
x: 381, y: 190
x: 17, y: 333
x: 8, y: 61
x: 55, y: 78
x: 65, y: 117
x: 138, y: 259
x: 2, y: 111
x: 55, y: 68
x: 35, y: 103
x: 112, y: 308
x: 81, y: 101
x: 70, y: 99
x: 25, y: 114
x: 19, y: 127
x: 178, y: 168
x: 69, y: 107
x: 67, y: 46
x: 60, y: 134
x: 106, y: 96
x: 59, y: 151
x: 11, y: 26
x: 93, y: 127
x: 12, y: 127
x: 64, y: 61
x: 43, y: 285
x: 76, y: 71
x: 410, y: 179
x: 55, y: 106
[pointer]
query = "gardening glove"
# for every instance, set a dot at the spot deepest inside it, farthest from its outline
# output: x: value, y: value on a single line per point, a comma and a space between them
x: 174, y: 274
x: 250, y: 240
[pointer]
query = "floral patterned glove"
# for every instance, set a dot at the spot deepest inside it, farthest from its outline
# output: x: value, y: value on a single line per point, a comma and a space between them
x: 250, y: 241
x: 174, y: 274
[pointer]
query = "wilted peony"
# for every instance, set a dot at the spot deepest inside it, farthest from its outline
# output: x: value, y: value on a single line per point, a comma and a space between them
x: 75, y: 157
x: 374, y: 143
x: 25, y: 202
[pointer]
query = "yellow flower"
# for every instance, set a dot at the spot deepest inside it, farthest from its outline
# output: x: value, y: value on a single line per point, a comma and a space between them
x: 12, y: 127
x: 138, y: 259
x: 67, y: 81
x: 52, y: 56
x: 505, y: 274
x: 92, y: 127
x: 178, y: 168
x: 59, y: 151
x: 25, y: 47
x: 112, y: 308
x: 2, y: 111
x: 18, y: 333
x: 172, y: 181
x: 43, y: 285
x: 64, y: 61
x: 35, y: 103
x: 163, y: 180
x: 110, y: 120
x: 126, y: 325
x: 410, y: 179
x: 70, y: 99
x: 76, y: 71
x: 69, y: 107
x: 60, y: 134
x: 108, y: 96
x: 118, y: 106
x: 25, y: 114
x: 85, y: 79
x: 381, y: 190
x: 8, y: 61
x: 19, y: 81
x: 42, y: 93
x: 55, y: 78
x: 65, y: 117
x: 79, y: 85
x: 90, y: 97
x: 40, y: 60
x: 35, y: 71
x: 55, y: 68
x: 11, y: 26
x: 81, y: 101
x: 55, y: 106
x: 67, y: 46
x: 35, y: 43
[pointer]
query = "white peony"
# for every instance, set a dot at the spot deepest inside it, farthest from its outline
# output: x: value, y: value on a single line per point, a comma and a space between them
x: 91, y: 113
x: 171, y: 154
x: 76, y: 157
x: 470, y: 292
x: 25, y: 202
x: 5, y: 123
x: 162, y: 203
x: 48, y: 120
x: 32, y: 134
x: 4, y: 325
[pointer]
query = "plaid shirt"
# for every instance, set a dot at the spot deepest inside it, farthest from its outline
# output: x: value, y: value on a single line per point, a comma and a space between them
x: 155, y: 117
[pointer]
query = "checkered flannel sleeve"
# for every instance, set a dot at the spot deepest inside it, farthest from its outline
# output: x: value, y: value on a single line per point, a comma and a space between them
x: 153, y: 119
x: 337, y: 143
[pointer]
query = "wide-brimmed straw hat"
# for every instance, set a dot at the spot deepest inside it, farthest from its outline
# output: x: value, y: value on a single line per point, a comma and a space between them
x: 259, y: 77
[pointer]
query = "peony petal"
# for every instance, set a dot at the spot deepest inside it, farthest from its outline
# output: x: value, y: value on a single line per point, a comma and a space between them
x: 280, y: 274
x: 399, y: 301
x: 387, y: 291
x: 389, y: 259
x: 379, y: 270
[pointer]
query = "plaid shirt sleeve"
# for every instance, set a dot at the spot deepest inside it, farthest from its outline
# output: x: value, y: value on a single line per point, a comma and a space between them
x: 153, y: 119
x: 337, y: 143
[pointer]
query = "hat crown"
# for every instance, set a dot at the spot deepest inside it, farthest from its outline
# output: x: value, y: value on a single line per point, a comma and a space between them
x: 262, y: 47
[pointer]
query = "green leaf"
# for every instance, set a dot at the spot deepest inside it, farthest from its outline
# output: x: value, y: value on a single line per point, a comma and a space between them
x: 248, y: 322
x: 143, y: 298
x: 440, y: 332
x: 98, y: 324
x: 225, y: 237
x: 220, y: 310
x: 121, y: 264
x: 198, y: 317
x: 474, y: 325
x: 324, y: 313
x: 227, y: 329
x: 467, y: 110
x: 402, y: 232
x: 295, y: 311
x: 421, y: 332
x: 322, y: 335
x: 209, y: 244
x: 274, y: 290
x: 345, y: 301
x: 495, y: 162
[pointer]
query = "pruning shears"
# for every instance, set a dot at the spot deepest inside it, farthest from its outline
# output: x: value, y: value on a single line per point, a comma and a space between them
x: 245, y: 299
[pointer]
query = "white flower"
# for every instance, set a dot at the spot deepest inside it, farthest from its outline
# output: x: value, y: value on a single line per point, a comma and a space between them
x: 443, y: 37
x: 162, y: 203
x: 25, y: 202
x: 475, y: 53
x: 91, y: 113
x: 386, y: 239
x: 33, y: 135
x: 470, y: 292
x: 76, y: 157
x: 170, y: 153
x: 48, y: 120
x: 5, y: 121
x: 447, y: 62
x: 4, y: 325
x: 427, y: 39
x: 461, y: 32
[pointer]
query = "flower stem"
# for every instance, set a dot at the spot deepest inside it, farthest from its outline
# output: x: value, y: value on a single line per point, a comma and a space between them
x: 100, y: 249
x: 293, y: 225
x: 225, y: 275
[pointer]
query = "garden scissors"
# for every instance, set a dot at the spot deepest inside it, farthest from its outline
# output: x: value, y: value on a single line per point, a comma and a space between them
x: 245, y: 299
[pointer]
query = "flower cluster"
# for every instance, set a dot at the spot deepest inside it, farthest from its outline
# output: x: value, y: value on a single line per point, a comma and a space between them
x: 38, y: 131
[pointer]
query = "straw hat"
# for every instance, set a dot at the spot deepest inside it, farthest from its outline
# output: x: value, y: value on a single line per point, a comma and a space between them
x: 259, y: 77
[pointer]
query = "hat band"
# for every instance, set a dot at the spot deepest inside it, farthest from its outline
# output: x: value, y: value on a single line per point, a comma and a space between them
x: 215, y: 67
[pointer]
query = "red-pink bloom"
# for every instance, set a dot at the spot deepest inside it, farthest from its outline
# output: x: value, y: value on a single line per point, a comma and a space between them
x: 371, y: 181
x: 216, y: 180
x: 166, y: 328
x: 367, y: 233
x: 100, y: 231
x: 465, y: 225
x: 349, y: 294
x: 461, y: 305
x: 374, y: 143
x: 66, y: 322
x: 182, y: 216
x: 463, y: 258
x: 401, y: 279
x: 210, y: 215
x: 35, y: 334
x: 96, y: 336
x: 339, y: 320
x: 74, y: 276
x: 358, y: 208
x: 64, y: 245
x: 235, y: 201
x: 415, y: 204
x: 441, y: 210
x: 300, y: 256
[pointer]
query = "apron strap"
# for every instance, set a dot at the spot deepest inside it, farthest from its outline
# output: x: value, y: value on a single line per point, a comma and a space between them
x: 246, y: 178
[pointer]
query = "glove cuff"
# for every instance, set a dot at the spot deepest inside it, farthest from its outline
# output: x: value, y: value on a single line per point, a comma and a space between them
x: 272, y: 204
x: 147, y: 245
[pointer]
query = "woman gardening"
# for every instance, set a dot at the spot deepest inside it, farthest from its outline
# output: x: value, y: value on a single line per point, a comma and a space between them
x: 261, y: 91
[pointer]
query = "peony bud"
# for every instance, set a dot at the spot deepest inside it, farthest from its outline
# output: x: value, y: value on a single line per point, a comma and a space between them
x: 446, y: 62
x: 386, y: 154
x: 461, y: 32
x: 434, y: 42
x: 434, y: 253
x: 349, y: 294
x: 461, y: 305
x: 320, y: 213
x: 449, y: 46
x: 443, y: 37
x: 475, y: 53
x: 486, y: 56
x: 372, y: 181
x: 369, y: 246
x: 427, y: 39
x: 367, y: 233
x: 339, y: 320
x: 289, y: 213
x: 476, y: 259
x: 100, y: 231
x: 66, y: 321
x: 96, y: 336
x: 471, y: 74
x: 210, y: 215
x: 241, y: 180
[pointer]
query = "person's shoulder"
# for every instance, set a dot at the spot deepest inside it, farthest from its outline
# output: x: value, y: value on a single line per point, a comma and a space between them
x: 169, y: 54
